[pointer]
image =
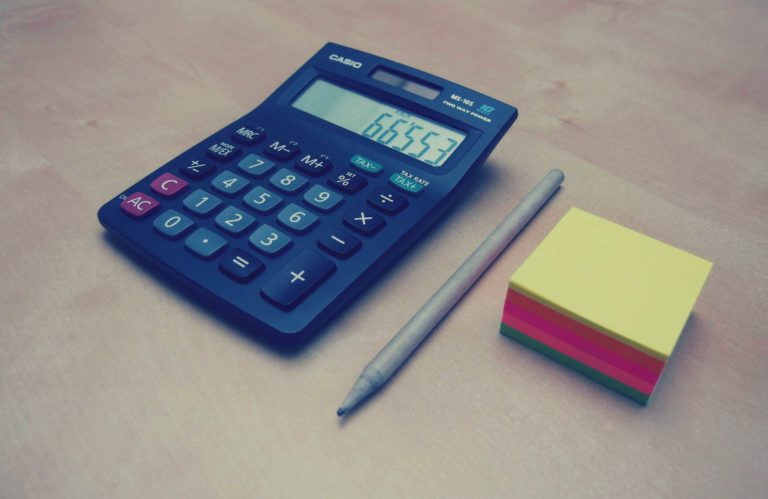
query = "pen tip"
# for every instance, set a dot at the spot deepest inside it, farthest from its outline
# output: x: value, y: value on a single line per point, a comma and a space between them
x: 340, y: 412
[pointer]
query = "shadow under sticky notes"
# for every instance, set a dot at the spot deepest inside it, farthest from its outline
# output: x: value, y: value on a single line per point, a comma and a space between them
x: 604, y: 300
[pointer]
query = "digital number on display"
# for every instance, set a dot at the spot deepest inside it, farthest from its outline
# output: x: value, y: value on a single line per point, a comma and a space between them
x: 406, y: 133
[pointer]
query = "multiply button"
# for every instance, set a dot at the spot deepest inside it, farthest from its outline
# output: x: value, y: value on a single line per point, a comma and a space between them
x: 387, y: 200
x: 168, y: 185
x: 297, y: 279
x: 282, y: 150
x: 364, y: 220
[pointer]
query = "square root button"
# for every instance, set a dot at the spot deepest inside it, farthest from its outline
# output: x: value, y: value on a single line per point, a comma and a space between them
x: 296, y: 280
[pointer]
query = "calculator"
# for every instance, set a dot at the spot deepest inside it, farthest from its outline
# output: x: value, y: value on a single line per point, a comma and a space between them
x: 283, y: 217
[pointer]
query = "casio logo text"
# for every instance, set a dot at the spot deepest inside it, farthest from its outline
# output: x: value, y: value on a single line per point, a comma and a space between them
x: 345, y: 61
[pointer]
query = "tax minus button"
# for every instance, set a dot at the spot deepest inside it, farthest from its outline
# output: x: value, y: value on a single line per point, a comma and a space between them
x: 364, y: 164
x: 405, y: 184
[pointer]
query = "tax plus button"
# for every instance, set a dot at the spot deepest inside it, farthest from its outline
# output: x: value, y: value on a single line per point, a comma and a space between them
x: 297, y: 279
x: 405, y: 184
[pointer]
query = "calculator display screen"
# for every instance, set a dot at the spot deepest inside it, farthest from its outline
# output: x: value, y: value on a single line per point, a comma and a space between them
x: 385, y: 124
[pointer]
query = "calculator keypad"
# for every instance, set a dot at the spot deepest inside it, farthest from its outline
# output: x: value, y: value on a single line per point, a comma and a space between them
x: 275, y: 186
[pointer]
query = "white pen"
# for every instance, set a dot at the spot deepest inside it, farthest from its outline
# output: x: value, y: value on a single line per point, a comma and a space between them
x: 402, y: 345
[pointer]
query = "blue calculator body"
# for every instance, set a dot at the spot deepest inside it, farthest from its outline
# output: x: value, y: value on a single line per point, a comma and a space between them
x: 285, y: 215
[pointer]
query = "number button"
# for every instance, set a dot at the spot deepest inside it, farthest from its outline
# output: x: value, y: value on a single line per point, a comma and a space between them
x: 269, y: 240
x: 172, y: 224
x: 223, y: 151
x: 287, y: 181
x: 229, y: 183
x: 196, y: 169
x: 262, y: 200
x: 139, y: 205
x: 205, y: 243
x: 255, y: 165
x: 387, y: 200
x: 296, y: 218
x: 240, y: 265
x: 168, y: 185
x: 248, y: 136
x: 322, y: 199
x: 297, y: 279
x: 282, y: 150
x: 233, y: 221
x: 338, y: 242
x: 347, y: 182
x: 201, y: 202
x: 314, y: 165
x: 364, y: 220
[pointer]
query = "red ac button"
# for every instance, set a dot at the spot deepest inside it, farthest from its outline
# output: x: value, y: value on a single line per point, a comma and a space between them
x: 168, y: 185
x: 139, y: 204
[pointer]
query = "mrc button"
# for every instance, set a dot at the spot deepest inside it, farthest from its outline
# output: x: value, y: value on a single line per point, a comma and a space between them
x: 248, y: 135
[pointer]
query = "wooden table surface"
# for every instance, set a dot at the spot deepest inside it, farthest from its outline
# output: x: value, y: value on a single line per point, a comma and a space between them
x: 113, y: 384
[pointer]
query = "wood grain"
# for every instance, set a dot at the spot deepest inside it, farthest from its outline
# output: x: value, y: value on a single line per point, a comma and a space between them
x: 112, y: 383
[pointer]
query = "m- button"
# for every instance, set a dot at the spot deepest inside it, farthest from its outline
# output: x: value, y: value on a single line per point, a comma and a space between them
x: 294, y: 282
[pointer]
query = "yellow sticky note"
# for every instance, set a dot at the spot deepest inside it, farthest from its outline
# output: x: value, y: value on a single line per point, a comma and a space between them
x: 618, y: 281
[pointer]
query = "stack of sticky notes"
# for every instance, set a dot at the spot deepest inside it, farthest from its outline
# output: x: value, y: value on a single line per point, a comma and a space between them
x: 604, y: 300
